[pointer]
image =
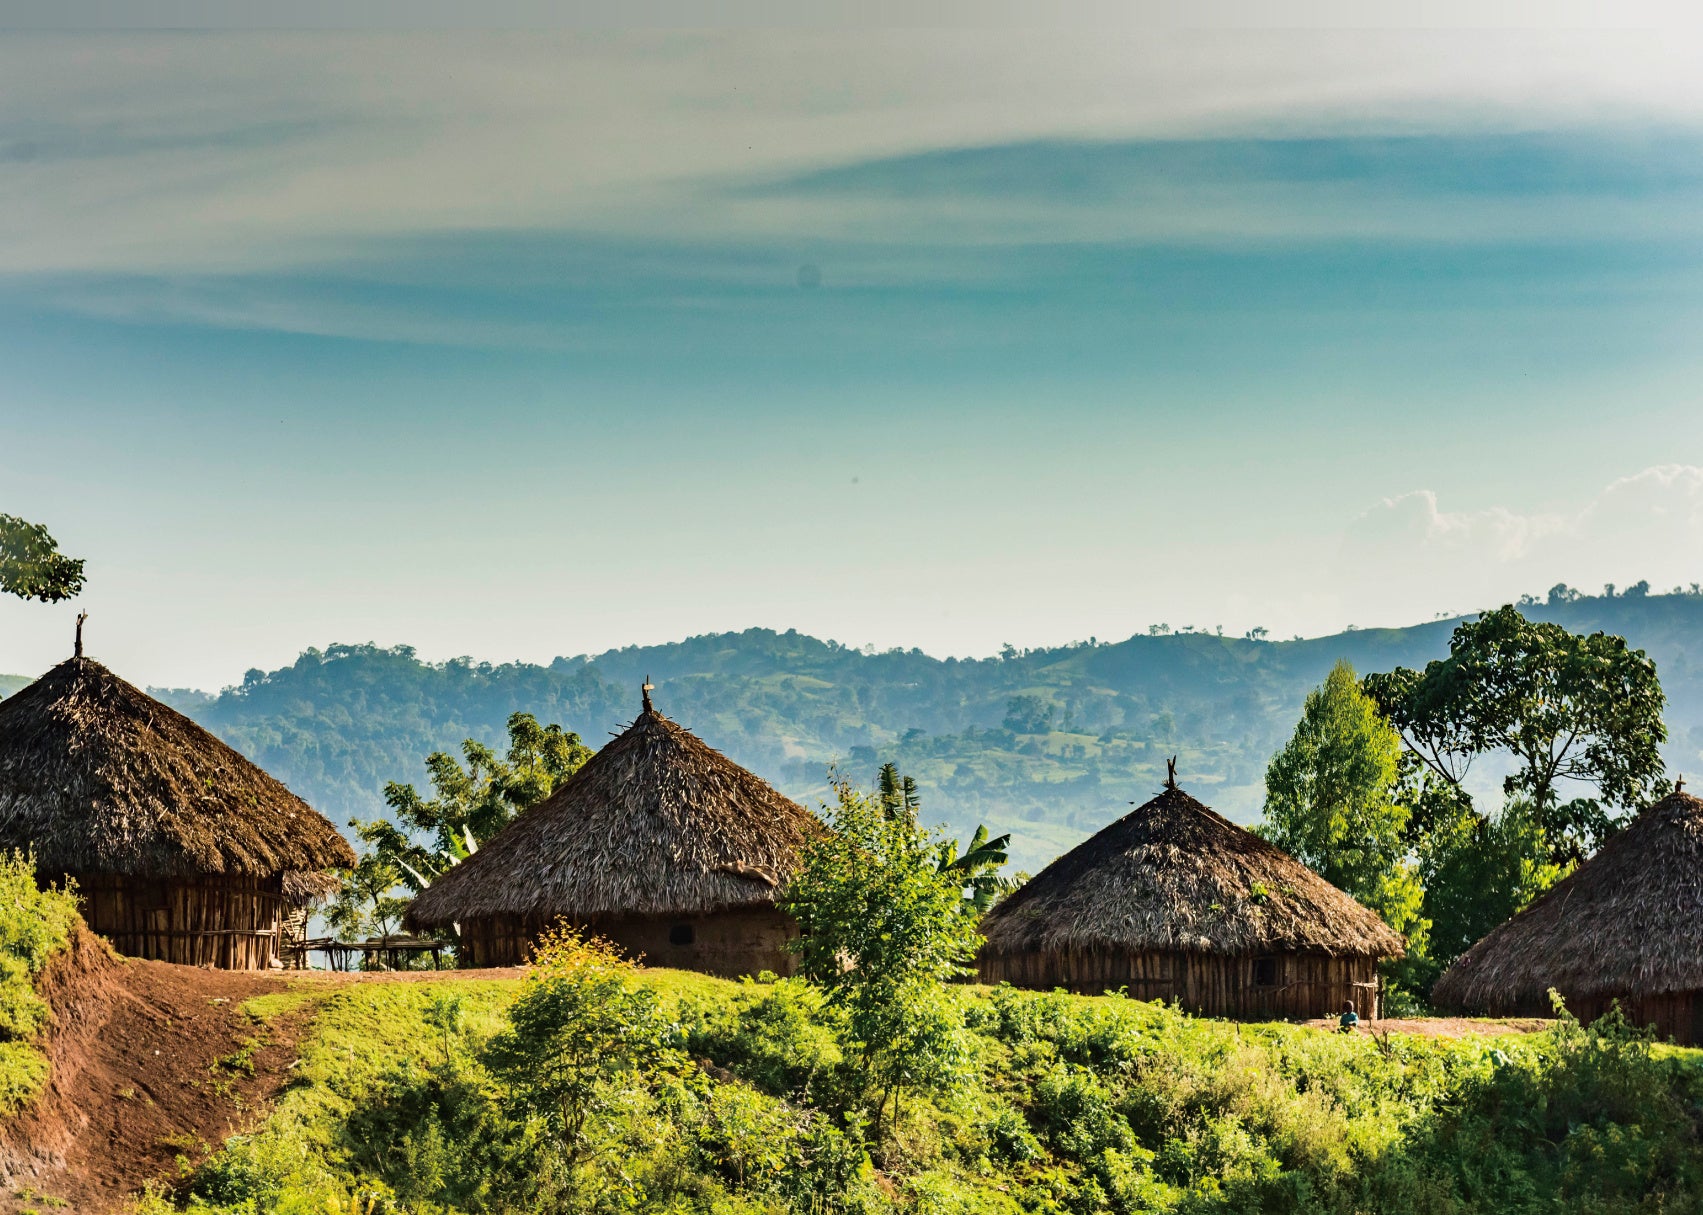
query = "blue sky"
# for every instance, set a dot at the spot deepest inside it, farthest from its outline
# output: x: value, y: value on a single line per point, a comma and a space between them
x: 524, y: 345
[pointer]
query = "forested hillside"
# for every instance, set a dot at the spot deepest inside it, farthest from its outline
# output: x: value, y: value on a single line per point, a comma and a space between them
x: 1048, y: 743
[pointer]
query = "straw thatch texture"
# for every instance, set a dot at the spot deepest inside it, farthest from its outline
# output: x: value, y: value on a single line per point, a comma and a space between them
x: 1174, y: 876
x: 1628, y: 924
x: 305, y: 890
x: 98, y: 777
x: 655, y: 826
x: 1174, y: 902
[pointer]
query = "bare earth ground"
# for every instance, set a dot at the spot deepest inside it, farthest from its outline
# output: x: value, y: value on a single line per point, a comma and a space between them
x: 1442, y: 1027
x: 143, y: 1071
x: 136, y: 1078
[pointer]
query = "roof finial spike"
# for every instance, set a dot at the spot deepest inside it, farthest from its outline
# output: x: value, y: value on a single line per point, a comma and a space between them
x: 646, y: 691
x: 1679, y: 785
x: 77, y: 650
x: 1171, y: 773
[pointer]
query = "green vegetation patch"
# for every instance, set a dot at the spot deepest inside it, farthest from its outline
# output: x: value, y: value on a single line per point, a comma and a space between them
x: 272, y: 1005
x: 419, y: 1097
x: 34, y: 925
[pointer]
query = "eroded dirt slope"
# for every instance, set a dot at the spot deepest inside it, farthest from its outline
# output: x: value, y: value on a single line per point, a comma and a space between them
x: 150, y: 1061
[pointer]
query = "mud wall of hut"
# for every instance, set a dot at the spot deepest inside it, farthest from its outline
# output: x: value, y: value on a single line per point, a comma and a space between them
x: 230, y: 923
x: 728, y: 943
x: 1272, y: 986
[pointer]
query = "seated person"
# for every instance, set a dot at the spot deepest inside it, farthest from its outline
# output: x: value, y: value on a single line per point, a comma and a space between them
x: 1349, y: 1019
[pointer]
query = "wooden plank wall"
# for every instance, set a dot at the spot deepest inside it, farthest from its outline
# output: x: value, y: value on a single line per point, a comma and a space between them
x: 730, y: 943
x: 1290, y: 986
x: 227, y: 923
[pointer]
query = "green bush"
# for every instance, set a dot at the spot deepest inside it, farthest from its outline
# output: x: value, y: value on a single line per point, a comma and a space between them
x: 1065, y: 1105
x: 782, y: 1040
x: 1595, y: 1119
x: 34, y: 925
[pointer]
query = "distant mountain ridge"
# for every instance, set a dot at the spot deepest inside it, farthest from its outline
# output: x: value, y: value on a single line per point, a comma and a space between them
x: 1050, y: 744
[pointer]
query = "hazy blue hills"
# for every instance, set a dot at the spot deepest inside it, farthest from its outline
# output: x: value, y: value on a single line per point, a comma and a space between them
x: 1049, y: 744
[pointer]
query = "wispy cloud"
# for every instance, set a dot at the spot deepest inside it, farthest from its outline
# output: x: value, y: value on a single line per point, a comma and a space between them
x: 1646, y: 526
x: 185, y: 153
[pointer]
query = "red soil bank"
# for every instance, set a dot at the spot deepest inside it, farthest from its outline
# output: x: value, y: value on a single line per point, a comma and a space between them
x: 136, y: 1078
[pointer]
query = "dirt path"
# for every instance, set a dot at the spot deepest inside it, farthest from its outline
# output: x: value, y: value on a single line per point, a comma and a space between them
x: 1442, y: 1027
x: 150, y: 1061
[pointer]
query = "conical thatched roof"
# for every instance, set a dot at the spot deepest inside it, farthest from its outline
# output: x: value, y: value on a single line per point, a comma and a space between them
x: 656, y: 823
x: 98, y: 777
x: 1629, y: 921
x: 1174, y: 876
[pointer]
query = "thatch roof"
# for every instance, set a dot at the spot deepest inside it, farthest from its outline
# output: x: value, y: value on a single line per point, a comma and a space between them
x: 309, y: 889
x: 98, y: 777
x: 1629, y: 922
x: 1174, y: 876
x: 656, y: 823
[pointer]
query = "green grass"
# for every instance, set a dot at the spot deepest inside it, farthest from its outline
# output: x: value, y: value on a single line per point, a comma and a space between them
x: 273, y: 1005
x: 34, y: 925
x: 1062, y: 1104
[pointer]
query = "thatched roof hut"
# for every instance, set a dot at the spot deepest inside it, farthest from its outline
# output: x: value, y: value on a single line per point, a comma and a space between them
x: 1627, y: 925
x: 660, y: 843
x: 1173, y: 901
x: 179, y: 846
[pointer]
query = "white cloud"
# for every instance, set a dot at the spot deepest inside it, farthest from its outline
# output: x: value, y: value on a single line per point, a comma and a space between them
x: 1407, y: 552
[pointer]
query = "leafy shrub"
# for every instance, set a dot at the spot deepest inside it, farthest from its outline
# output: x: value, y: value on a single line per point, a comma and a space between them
x: 34, y: 925
x: 581, y: 1028
x: 439, y: 1136
x: 1065, y: 1106
x: 1593, y: 1119
x: 783, y: 1041
x: 1010, y: 1141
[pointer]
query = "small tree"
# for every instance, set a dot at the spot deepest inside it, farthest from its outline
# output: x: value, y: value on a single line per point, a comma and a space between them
x: 976, y: 868
x: 883, y: 927
x: 1330, y: 802
x: 31, y: 565
x: 364, y: 905
x: 580, y: 1029
x: 473, y: 803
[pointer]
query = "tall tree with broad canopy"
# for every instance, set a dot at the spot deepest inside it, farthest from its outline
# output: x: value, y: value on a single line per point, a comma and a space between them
x: 1573, y: 711
x: 31, y: 565
x: 1331, y: 803
x: 1576, y: 714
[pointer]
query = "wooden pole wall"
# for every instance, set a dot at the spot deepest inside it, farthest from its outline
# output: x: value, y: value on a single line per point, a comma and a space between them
x: 728, y: 943
x: 229, y: 923
x: 1278, y: 986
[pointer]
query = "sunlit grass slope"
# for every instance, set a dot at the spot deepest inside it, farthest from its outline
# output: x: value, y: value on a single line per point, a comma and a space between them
x: 1059, y: 1104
